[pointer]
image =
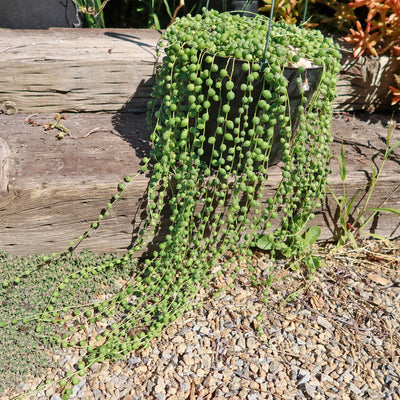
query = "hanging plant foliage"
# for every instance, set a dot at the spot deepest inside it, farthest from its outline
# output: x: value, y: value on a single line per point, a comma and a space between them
x: 225, y: 109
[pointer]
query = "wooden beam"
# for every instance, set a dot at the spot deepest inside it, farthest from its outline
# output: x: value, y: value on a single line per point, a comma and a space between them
x: 76, y: 70
x: 364, y: 82
x: 51, y: 190
x: 109, y: 70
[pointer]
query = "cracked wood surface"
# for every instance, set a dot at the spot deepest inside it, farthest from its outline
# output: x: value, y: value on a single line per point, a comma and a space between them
x: 108, y: 70
x: 51, y: 190
x: 76, y: 70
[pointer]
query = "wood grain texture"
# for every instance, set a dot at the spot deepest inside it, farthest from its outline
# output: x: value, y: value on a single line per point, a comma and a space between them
x: 5, y: 156
x: 77, y: 70
x: 106, y: 70
x: 56, y: 188
x: 364, y: 82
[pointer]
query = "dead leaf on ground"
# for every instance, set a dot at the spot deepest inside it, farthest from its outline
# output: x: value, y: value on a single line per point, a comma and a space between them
x: 317, y: 302
x: 379, y: 279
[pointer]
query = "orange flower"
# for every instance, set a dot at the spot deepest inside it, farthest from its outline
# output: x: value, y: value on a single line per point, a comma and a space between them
x: 363, y: 40
x: 362, y: 3
x: 395, y: 91
x: 394, y: 5
x: 396, y: 95
x: 374, y: 7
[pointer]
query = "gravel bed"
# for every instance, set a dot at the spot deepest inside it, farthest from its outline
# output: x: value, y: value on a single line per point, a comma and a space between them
x: 335, y: 336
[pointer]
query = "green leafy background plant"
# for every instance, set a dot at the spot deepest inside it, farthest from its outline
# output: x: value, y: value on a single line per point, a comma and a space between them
x: 91, y: 12
x: 354, y: 220
x: 154, y: 14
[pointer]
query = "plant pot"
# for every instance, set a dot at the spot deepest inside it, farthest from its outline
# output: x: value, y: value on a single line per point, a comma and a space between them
x: 311, y: 78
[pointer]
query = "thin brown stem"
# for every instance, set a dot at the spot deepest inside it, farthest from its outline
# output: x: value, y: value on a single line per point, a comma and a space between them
x: 181, y: 4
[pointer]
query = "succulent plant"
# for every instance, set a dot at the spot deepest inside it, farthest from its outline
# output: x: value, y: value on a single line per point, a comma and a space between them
x: 224, y: 108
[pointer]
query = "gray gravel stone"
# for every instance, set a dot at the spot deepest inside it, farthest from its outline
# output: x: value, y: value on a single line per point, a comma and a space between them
x: 134, y: 361
x: 274, y: 367
x: 97, y: 394
x: 304, y: 378
x: 310, y: 390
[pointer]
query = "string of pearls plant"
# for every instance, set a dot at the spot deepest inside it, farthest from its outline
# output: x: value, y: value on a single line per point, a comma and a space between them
x: 223, y: 110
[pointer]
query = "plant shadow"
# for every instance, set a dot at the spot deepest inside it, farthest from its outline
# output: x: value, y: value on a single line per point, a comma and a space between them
x: 131, y: 124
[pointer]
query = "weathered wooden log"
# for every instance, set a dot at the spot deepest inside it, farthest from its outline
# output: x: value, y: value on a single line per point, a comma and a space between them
x: 364, y: 82
x: 106, y: 70
x: 76, y: 70
x: 51, y: 190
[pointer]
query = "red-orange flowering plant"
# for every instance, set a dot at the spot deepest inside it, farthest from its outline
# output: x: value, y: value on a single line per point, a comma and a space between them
x: 396, y: 90
x: 382, y: 30
x: 379, y: 34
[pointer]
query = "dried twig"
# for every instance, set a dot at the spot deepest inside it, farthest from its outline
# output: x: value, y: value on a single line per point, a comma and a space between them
x: 64, y: 131
x: 181, y: 4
